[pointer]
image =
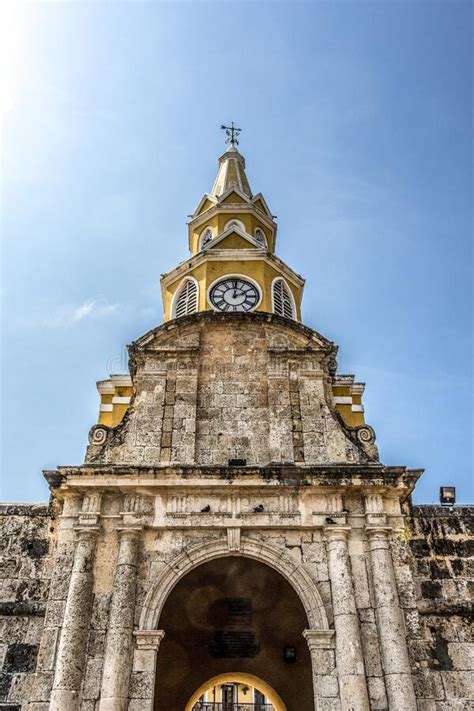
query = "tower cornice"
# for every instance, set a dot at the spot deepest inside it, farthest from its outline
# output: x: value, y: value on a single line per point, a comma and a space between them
x: 231, y: 255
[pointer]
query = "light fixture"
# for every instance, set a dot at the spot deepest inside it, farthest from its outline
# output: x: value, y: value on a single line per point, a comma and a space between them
x: 447, y: 495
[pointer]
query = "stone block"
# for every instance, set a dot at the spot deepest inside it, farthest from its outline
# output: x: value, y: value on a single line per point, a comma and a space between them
x: 92, y: 679
x: 20, y: 689
x: 377, y: 695
x: 142, y: 685
x: 458, y: 684
x: 428, y: 684
x: 370, y: 647
x: 462, y: 656
x: 326, y: 685
x: 328, y: 705
x: 42, y: 684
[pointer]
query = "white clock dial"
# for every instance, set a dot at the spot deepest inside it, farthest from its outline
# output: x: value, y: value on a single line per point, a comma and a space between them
x: 234, y: 294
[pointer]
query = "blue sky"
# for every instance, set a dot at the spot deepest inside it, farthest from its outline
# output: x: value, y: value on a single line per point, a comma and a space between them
x: 356, y: 122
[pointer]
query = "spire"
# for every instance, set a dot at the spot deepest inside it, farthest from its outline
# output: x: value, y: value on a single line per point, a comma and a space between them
x: 231, y: 173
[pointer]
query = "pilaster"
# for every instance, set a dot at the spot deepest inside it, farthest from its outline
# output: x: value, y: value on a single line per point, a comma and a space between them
x: 144, y: 668
x: 323, y: 667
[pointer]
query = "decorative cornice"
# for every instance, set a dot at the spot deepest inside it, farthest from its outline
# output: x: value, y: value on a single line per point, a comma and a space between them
x: 235, y: 255
x: 219, y: 207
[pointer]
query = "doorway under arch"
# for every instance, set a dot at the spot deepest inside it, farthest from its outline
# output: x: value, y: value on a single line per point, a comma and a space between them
x: 233, y: 615
x: 245, y: 679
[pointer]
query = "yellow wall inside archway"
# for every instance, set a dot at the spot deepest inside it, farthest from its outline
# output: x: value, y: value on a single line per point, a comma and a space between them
x: 248, y: 679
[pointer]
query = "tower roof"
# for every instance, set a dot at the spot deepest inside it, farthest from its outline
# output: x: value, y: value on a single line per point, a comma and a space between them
x: 231, y: 174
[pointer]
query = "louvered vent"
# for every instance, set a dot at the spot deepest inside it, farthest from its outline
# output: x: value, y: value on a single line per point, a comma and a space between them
x: 206, y: 238
x: 282, y: 301
x: 260, y: 237
x: 187, y: 299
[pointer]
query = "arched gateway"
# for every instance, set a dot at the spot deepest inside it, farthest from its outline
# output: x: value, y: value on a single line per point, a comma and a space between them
x: 232, y: 516
x: 271, y: 702
x: 276, y: 558
x: 241, y: 609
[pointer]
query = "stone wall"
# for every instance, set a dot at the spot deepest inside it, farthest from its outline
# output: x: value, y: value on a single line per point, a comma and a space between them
x: 209, y: 389
x: 442, y: 561
x: 431, y: 549
x: 26, y: 546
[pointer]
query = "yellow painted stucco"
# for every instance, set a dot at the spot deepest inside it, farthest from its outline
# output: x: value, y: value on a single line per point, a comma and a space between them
x: 243, y: 680
x: 218, y: 220
x: 232, y: 241
x: 209, y: 271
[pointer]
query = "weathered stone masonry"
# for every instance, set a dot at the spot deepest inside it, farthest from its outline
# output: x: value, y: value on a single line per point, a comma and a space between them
x: 232, y: 518
x: 384, y: 585
x: 433, y: 561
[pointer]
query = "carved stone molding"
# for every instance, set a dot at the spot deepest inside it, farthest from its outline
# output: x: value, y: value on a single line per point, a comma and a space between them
x: 149, y: 639
x: 336, y: 533
x: 86, y: 532
x: 378, y: 533
x: 319, y: 639
x: 233, y: 539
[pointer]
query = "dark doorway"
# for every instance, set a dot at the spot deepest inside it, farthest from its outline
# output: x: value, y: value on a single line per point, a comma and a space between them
x: 232, y: 615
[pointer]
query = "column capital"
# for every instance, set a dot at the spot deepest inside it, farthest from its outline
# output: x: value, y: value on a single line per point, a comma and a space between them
x: 378, y: 533
x: 130, y: 532
x: 86, y: 533
x: 319, y: 639
x: 149, y: 639
x: 336, y: 533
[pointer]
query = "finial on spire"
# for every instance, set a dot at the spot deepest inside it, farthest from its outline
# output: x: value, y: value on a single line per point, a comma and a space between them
x: 232, y: 132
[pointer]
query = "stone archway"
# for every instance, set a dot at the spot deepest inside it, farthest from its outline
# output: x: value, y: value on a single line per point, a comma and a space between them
x: 276, y: 558
x: 250, y: 679
x: 318, y: 635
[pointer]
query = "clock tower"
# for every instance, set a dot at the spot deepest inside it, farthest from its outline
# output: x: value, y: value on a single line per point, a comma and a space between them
x: 232, y: 539
x: 232, y: 265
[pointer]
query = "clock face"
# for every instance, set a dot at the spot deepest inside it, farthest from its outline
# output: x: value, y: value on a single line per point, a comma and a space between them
x: 234, y: 294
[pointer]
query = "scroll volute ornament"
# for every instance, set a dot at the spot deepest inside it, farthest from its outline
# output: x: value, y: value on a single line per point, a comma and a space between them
x: 98, y: 435
x: 365, y: 435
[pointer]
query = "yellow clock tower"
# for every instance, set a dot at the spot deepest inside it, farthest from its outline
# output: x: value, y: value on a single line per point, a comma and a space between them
x: 232, y: 240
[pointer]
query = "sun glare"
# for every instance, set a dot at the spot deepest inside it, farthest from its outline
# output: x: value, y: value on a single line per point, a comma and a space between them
x: 12, y: 22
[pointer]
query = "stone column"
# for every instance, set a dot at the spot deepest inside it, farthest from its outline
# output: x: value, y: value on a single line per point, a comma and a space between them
x: 349, y: 656
x: 71, y: 655
x: 321, y: 649
x: 144, y: 669
x: 119, y: 644
x: 391, y: 628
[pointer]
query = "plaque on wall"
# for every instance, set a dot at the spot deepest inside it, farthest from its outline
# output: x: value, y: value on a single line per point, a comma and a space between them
x: 233, y: 644
x: 234, y: 638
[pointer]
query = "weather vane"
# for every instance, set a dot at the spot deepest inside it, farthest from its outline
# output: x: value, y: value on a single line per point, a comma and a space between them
x: 232, y: 132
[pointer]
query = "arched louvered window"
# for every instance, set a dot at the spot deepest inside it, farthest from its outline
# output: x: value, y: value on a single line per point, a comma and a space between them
x: 186, y: 299
x: 260, y: 237
x: 283, y: 304
x: 206, y: 237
